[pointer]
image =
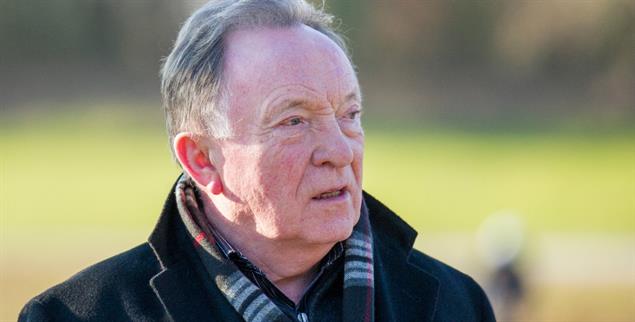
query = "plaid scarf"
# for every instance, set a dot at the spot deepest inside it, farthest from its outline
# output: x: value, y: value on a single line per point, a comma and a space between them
x: 249, y: 300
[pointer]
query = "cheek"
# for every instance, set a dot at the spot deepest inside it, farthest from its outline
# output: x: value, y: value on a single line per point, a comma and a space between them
x: 281, y: 170
x: 239, y: 173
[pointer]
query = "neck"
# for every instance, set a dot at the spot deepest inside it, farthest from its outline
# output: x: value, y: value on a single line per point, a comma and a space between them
x: 290, y: 265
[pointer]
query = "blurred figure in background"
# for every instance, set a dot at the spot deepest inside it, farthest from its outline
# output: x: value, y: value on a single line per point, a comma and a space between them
x: 501, y: 239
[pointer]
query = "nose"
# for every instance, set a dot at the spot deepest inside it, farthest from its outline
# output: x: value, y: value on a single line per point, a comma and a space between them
x: 333, y: 148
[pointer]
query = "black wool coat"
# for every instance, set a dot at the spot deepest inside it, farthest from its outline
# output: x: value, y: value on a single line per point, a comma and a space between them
x: 160, y: 281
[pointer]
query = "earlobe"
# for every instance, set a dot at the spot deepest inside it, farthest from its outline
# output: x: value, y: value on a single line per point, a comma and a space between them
x: 196, y: 163
x: 215, y: 187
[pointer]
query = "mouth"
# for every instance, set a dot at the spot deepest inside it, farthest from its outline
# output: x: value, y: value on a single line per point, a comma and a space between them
x: 331, y: 194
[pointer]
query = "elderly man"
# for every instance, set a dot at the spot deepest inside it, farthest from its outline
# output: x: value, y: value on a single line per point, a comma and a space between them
x: 268, y: 221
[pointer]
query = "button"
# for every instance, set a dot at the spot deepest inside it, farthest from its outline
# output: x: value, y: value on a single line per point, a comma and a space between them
x: 302, y: 317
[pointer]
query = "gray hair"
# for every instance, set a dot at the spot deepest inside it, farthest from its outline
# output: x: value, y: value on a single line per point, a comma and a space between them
x: 191, y: 76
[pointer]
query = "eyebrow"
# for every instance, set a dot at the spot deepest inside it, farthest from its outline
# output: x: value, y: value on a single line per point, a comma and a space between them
x: 272, y: 110
x: 353, y: 96
x: 292, y: 102
x: 285, y: 104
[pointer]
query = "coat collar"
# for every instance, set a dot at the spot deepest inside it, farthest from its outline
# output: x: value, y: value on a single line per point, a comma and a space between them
x: 397, y: 279
x: 389, y: 227
x: 179, y: 289
x: 163, y: 235
x: 182, y: 286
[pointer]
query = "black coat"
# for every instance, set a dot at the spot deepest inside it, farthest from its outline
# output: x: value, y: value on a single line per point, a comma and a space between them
x: 159, y: 281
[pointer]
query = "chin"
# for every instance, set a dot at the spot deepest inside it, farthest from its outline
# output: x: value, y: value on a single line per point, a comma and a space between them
x: 332, y: 232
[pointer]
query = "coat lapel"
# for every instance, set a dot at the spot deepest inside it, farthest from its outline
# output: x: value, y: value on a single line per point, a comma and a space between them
x: 404, y: 292
x: 183, y: 287
x: 181, y: 298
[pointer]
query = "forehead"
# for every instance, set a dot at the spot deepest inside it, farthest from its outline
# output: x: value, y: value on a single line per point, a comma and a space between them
x: 263, y: 62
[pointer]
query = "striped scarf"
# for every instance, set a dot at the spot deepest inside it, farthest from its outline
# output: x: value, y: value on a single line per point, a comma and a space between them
x: 249, y: 300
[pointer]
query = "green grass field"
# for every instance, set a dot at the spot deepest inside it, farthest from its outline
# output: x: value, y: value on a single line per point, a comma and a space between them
x: 79, y: 187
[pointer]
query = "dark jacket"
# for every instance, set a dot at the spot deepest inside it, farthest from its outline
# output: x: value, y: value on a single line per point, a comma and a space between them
x: 159, y: 281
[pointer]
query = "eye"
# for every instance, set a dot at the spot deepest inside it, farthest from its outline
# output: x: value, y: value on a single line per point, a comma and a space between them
x: 353, y: 115
x: 293, y: 121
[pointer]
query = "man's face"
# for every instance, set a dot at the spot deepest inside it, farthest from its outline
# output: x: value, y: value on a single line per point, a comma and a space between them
x: 293, y: 168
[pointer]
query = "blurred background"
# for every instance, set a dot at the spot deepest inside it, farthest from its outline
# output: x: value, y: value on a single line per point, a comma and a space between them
x: 503, y: 131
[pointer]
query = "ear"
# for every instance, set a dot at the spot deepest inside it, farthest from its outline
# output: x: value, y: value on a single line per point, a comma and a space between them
x: 193, y: 157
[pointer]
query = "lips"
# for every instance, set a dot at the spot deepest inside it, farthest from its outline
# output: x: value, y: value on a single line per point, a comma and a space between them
x: 332, y: 193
